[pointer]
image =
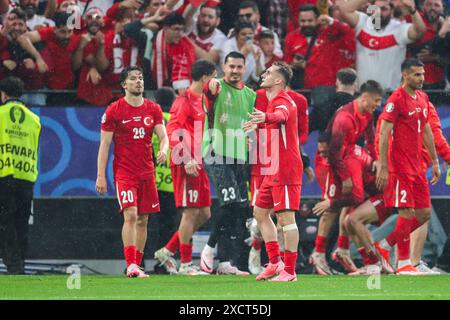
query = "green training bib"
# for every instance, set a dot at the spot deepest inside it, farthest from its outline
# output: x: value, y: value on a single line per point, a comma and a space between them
x: 230, y: 111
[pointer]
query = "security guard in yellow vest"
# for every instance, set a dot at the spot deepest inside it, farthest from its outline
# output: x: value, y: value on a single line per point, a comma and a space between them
x: 19, y: 137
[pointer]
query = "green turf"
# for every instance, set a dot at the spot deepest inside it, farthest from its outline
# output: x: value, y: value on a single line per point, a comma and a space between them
x: 224, y: 288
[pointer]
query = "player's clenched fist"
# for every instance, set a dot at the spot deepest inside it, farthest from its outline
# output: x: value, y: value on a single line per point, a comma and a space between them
x: 101, y: 186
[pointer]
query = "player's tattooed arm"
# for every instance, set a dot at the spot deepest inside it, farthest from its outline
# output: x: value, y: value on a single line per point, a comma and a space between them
x: 382, y: 173
x: 101, y: 185
x: 428, y: 141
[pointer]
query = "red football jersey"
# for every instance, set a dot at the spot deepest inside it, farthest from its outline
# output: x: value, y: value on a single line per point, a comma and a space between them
x: 58, y: 59
x: 186, y: 114
x: 331, y: 185
x: 321, y: 53
x: 346, y: 127
x: 133, y: 130
x: 261, y: 104
x: 286, y: 166
x: 409, y: 116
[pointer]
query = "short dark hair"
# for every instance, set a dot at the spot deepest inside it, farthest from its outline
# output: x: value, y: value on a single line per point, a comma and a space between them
x: 19, y: 13
x: 347, y: 76
x: 266, y: 34
x: 309, y: 7
x: 409, y: 63
x: 202, y: 68
x: 125, y: 73
x: 285, y: 70
x: 61, y: 19
x: 13, y: 87
x: 249, y: 4
x: 242, y: 24
x: 324, y: 137
x: 173, y: 19
x: 371, y: 86
x: 235, y: 55
x: 165, y: 96
x: 215, y: 8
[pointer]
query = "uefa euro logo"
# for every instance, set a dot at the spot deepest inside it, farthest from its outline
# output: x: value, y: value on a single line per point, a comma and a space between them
x: 17, y: 115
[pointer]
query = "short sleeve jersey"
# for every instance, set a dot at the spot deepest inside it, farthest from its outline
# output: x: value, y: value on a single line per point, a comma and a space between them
x: 186, y: 125
x: 409, y: 116
x: 133, y: 130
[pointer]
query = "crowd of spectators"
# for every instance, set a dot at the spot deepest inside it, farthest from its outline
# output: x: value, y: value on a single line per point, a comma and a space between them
x: 83, y: 45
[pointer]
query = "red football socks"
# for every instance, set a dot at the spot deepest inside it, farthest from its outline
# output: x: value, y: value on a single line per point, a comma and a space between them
x: 393, y: 237
x: 290, y: 260
x: 130, y: 254
x: 321, y: 244
x: 256, y: 244
x: 139, y: 255
x: 403, y: 229
x: 364, y: 255
x: 185, y: 252
x: 273, y: 251
x: 344, y: 242
x: 174, y: 243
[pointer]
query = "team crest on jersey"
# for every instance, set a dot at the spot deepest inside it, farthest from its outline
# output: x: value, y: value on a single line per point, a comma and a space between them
x: 390, y: 107
x: 104, y: 118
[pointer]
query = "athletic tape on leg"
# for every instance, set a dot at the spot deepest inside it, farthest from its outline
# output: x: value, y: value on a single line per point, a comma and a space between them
x: 290, y: 227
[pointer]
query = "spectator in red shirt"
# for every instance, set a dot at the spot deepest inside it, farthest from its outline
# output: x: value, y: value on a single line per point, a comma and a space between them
x: 55, y: 60
x: 345, y: 49
x: 322, y: 33
x: 16, y: 61
x: 294, y: 7
x: 91, y: 59
x: 173, y: 54
x: 120, y: 52
x: 432, y: 11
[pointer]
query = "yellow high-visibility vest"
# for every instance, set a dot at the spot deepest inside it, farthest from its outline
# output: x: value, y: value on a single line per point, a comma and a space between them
x: 19, y: 139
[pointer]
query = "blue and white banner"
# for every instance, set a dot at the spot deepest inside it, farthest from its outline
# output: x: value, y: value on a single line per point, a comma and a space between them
x: 69, y: 143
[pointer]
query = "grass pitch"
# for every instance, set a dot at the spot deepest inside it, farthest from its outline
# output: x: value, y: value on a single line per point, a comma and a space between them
x: 163, y: 287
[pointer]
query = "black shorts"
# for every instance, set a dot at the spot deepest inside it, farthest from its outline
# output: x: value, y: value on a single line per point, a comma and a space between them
x: 230, y: 182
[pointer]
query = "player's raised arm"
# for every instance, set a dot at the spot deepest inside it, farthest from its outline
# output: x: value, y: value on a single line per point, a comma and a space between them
x: 418, y: 28
x: 160, y: 131
x: 428, y: 141
x: 382, y: 174
x: 105, y: 142
x: 348, y: 10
